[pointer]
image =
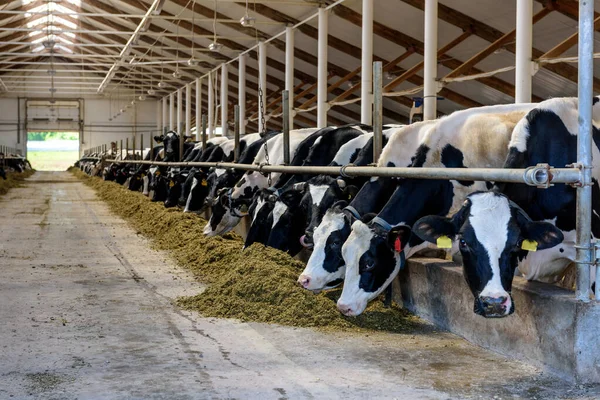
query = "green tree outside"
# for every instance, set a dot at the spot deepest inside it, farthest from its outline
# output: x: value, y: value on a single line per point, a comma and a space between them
x: 45, y: 136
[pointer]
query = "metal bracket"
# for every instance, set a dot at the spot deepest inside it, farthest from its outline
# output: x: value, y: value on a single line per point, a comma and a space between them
x: 580, y: 167
x: 594, y: 250
x: 538, y: 176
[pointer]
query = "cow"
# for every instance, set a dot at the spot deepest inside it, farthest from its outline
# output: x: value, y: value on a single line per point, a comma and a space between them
x: 204, y: 181
x: 515, y: 225
x: 376, y: 250
x: 232, y: 205
x: 325, y: 267
x: 138, y: 176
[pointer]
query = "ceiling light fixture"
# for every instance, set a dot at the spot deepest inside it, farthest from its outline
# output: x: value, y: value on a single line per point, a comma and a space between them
x: 247, y: 21
x: 176, y: 74
x: 151, y: 92
x: 216, y: 47
x: 161, y: 84
x: 142, y: 97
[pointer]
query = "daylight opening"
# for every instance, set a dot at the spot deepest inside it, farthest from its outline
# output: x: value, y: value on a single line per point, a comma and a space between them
x: 52, y: 151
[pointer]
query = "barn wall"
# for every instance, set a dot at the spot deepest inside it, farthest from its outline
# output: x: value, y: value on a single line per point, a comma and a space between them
x: 98, y: 129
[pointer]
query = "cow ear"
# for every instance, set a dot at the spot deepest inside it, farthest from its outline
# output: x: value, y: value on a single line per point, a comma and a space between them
x: 350, y: 192
x: 341, y: 183
x: 291, y: 198
x: 300, y: 187
x: 432, y: 227
x: 223, y: 200
x: 398, y: 237
x: 540, y: 235
x: 159, y: 139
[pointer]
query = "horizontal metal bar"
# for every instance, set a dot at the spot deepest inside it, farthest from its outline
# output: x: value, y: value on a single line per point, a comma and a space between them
x: 535, y: 176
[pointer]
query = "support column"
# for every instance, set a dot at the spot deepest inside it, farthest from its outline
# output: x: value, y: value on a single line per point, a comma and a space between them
x: 523, y: 51
x: 211, y: 106
x: 289, y: 72
x: 224, y: 98
x: 188, y: 109
x: 262, y: 82
x: 430, y: 72
x: 164, y: 115
x: 172, y: 111
x: 159, y: 118
x: 366, y: 69
x: 198, y: 108
x: 584, y: 151
x: 242, y: 93
x: 179, y: 111
x: 322, y: 70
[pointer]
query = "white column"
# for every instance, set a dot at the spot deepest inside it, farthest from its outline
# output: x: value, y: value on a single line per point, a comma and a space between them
x: 289, y: 70
x: 262, y: 81
x: 322, y: 69
x: 523, y: 51
x: 242, y: 92
x: 179, y: 110
x: 172, y: 111
x: 164, y: 115
x: 366, y: 68
x: 188, y: 109
x: 159, y: 118
x: 430, y: 72
x: 224, y: 98
x: 198, y: 109
x: 211, y: 106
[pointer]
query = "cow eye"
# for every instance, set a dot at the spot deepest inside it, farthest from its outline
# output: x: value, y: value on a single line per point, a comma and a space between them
x: 368, y: 265
x: 462, y: 244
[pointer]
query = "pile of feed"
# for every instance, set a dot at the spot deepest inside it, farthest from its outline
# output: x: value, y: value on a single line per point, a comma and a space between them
x: 258, y: 284
x: 14, y: 179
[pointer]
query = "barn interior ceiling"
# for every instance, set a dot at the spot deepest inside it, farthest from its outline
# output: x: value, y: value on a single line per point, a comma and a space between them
x: 144, y: 49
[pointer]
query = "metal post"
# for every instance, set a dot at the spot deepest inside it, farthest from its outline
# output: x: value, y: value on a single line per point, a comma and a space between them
x: 366, y: 70
x: 121, y: 149
x: 133, y: 145
x: 198, y: 107
x: 126, y: 147
x: 188, y: 110
x: 377, y: 110
x: 159, y: 116
x: 164, y: 115
x: 430, y: 68
x: 18, y: 120
x: 322, y: 69
x: 236, y: 133
x: 211, y: 104
x: 523, y: 51
x: 242, y: 93
x: 289, y: 73
x: 584, y: 151
x: 285, y: 102
x: 141, y: 146
x: 262, y: 83
x: 179, y: 112
x: 224, y: 101
x: 171, y: 111
x: 203, y: 132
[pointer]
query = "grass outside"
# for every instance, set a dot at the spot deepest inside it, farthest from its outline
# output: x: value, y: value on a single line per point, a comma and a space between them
x: 52, y: 160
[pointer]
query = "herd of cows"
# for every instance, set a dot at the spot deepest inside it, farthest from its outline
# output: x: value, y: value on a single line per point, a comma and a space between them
x: 13, y: 163
x: 362, y: 230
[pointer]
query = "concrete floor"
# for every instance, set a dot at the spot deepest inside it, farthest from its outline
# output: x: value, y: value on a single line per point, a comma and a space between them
x: 86, y: 310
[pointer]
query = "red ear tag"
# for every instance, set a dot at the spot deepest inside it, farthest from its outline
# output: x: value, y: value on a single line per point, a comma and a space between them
x: 398, y: 245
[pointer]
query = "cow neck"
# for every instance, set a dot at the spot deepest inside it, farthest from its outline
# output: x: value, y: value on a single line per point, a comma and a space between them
x: 373, y: 195
x: 416, y: 198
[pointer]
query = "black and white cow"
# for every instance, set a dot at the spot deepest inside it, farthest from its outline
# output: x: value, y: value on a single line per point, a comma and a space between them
x: 206, y: 181
x: 138, y: 176
x: 325, y: 267
x: 375, y: 251
x: 232, y: 206
x: 516, y: 225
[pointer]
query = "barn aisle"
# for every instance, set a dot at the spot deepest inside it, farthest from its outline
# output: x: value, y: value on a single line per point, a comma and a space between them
x: 86, y: 311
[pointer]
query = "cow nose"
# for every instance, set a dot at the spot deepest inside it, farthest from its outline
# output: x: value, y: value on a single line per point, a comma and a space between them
x: 344, y: 309
x: 494, y: 305
x: 304, y: 281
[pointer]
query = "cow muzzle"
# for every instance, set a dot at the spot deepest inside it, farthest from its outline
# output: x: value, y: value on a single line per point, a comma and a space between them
x: 494, y: 306
x: 306, y: 241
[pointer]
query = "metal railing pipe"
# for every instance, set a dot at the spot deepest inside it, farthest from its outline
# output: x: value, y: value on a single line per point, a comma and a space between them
x: 285, y: 102
x: 236, y: 133
x: 377, y: 110
x: 584, y: 152
x: 540, y: 175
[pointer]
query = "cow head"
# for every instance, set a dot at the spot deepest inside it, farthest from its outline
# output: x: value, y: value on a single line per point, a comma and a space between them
x: 222, y: 219
x: 288, y: 221
x: 492, y: 232
x: 320, y: 193
x: 159, y: 184
x: 175, y: 179
x: 262, y: 217
x: 325, y: 267
x: 170, y: 143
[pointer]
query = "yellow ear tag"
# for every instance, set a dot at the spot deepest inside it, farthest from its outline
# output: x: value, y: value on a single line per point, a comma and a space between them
x: 529, y: 245
x: 171, y: 184
x: 444, y: 242
x: 204, y: 183
x: 157, y: 173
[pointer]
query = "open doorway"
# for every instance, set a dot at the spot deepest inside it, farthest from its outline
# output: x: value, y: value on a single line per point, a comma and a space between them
x: 52, y: 151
